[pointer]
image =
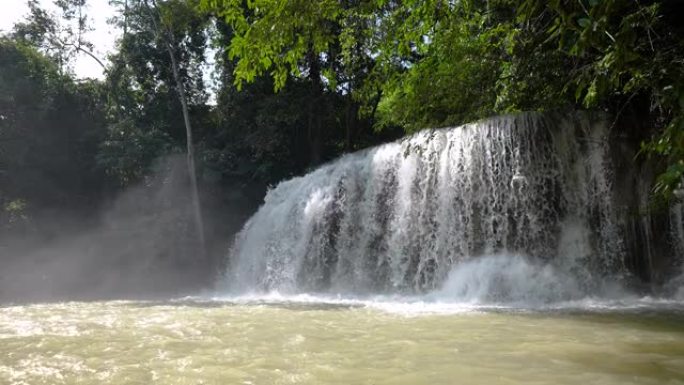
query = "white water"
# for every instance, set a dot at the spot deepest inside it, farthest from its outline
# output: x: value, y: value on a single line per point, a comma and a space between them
x: 515, y: 209
x: 508, y: 279
x: 498, y: 282
x: 677, y: 235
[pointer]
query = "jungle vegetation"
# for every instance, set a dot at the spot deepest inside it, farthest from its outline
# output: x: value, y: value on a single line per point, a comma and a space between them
x: 268, y: 89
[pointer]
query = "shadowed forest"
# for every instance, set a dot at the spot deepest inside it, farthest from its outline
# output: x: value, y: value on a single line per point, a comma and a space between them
x: 136, y: 183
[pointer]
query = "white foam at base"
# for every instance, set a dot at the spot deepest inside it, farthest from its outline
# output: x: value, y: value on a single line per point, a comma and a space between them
x: 505, y: 278
x: 418, y: 306
x: 500, y: 282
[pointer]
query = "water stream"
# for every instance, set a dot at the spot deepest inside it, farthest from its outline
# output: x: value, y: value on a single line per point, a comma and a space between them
x: 309, y: 340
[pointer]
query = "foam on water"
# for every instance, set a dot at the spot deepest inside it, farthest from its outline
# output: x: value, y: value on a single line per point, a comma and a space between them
x: 500, y: 282
x: 305, y: 339
x: 508, y: 279
x: 422, y: 306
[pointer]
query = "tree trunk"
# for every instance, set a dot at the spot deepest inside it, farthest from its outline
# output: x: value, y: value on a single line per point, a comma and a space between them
x: 196, y: 206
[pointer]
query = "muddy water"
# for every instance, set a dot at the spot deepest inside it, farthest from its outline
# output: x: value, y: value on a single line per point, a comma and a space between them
x: 218, y: 342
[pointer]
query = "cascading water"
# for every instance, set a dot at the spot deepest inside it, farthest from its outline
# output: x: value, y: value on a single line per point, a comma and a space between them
x: 677, y: 235
x: 406, y: 216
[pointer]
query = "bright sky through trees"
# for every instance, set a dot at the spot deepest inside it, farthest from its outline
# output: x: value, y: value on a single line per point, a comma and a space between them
x: 103, y: 36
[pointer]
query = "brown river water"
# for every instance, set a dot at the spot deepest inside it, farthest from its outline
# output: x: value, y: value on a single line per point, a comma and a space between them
x: 337, y: 342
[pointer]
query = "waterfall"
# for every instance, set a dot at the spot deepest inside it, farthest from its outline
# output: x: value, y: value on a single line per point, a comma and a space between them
x: 677, y: 235
x: 398, y: 218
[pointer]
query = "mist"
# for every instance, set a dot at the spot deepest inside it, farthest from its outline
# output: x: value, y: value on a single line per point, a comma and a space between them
x: 140, y: 244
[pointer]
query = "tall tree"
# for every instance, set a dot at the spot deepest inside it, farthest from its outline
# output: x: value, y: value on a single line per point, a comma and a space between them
x: 164, y: 27
x: 324, y: 46
x: 162, y: 49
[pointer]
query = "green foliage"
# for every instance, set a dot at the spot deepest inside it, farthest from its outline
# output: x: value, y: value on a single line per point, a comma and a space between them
x: 456, y: 78
x: 145, y: 112
x: 620, y: 51
x: 438, y: 63
x: 349, y: 73
x: 129, y: 151
x: 16, y: 210
x: 271, y: 37
x: 50, y: 129
x: 262, y: 136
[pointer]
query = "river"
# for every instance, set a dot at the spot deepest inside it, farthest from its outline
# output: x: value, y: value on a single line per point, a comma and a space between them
x: 309, y: 340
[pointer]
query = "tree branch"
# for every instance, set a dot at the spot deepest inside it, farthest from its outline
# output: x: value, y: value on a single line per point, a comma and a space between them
x: 79, y: 48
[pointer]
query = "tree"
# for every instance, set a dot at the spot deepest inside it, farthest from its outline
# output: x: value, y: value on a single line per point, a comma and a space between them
x: 160, y: 36
x: 50, y: 130
x: 165, y: 27
x: 325, y: 47
x: 623, y: 56
x: 444, y: 63
x: 59, y: 36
